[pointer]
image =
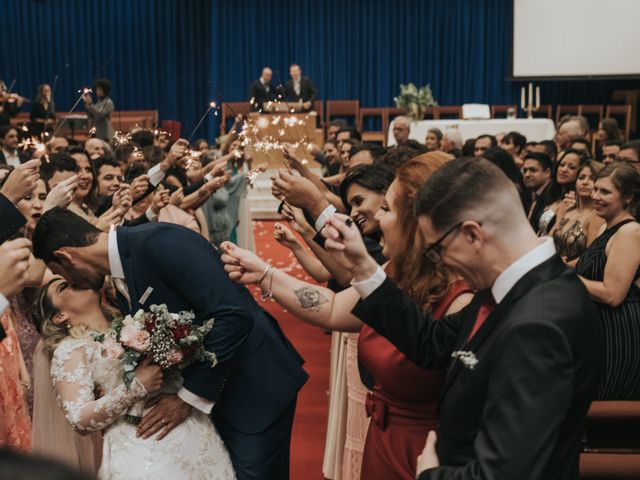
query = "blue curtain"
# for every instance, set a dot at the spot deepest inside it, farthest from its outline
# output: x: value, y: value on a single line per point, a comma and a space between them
x: 176, y: 56
x: 365, y: 49
x: 155, y: 52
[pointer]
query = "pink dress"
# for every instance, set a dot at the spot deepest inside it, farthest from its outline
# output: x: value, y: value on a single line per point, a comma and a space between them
x: 15, y: 424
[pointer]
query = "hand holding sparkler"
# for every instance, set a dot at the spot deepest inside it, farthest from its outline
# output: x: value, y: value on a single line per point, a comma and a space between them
x: 139, y: 186
x: 298, y: 191
x: 62, y: 194
x: 160, y: 199
x: 122, y: 198
x: 109, y: 218
x: 176, y: 197
x: 22, y: 181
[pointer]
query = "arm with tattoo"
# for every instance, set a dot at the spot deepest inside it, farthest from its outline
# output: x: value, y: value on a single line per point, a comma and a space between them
x: 315, y: 304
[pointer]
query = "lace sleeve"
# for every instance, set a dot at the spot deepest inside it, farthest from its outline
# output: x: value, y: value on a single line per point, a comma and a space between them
x: 74, y: 386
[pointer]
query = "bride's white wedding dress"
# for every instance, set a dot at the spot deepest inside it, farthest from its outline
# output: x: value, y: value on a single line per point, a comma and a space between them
x: 192, y: 451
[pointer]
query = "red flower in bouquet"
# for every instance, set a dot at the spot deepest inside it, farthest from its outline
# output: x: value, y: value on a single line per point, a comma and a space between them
x: 181, y: 331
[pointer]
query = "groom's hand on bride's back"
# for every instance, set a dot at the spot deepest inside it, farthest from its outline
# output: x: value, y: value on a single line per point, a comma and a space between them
x: 167, y: 413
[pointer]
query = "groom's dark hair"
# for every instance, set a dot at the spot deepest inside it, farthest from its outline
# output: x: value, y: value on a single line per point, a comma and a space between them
x: 59, y: 228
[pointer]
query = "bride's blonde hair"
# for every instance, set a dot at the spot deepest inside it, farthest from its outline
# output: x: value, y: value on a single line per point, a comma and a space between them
x: 52, y: 333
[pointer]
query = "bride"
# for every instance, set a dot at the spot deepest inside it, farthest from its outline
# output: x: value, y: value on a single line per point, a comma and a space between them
x: 93, y: 396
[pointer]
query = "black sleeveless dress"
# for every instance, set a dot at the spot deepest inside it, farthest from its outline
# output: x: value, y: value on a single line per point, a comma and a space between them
x: 620, y: 327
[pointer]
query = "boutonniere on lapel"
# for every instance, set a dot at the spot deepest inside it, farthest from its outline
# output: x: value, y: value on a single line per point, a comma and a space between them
x: 468, y: 358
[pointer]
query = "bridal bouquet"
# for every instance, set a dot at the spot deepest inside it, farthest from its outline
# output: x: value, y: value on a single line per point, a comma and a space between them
x: 170, y: 340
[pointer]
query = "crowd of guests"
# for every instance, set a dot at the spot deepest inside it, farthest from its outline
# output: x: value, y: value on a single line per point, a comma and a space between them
x: 381, y: 405
x: 383, y: 401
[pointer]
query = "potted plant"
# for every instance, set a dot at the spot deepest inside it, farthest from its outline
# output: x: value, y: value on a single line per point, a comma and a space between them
x: 415, y: 100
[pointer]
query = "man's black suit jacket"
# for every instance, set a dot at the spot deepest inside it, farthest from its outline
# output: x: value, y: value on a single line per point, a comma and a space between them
x: 259, y: 93
x: 308, y: 91
x: 540, y: 206
x: 519, y: 413
x: 259, y: 372
x: 23, y: 156
x: 10, y: 221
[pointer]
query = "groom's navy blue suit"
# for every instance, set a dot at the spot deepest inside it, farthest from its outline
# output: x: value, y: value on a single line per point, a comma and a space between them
x: 259, y: 373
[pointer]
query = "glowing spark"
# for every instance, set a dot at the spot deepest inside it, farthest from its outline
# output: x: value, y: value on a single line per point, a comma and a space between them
x: 253, y: 175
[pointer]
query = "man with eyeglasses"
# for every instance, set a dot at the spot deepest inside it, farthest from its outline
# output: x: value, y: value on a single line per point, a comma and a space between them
x: 523, y: 357
x: 630, y: 153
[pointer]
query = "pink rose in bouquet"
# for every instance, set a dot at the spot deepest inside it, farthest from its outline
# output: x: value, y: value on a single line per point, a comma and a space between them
x: 131, y: 336
x: 175, y: 357
x: 111, y: 348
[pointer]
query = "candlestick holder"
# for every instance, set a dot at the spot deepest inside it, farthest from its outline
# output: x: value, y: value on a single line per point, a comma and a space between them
x: 529, y: 106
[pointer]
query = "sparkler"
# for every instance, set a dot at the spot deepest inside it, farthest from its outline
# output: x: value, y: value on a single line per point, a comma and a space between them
x: 83, y: 91
x: 212, y: 105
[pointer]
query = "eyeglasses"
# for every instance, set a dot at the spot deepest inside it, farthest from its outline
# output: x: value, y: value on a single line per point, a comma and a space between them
x: 434, y: 251
x: 627, y: 160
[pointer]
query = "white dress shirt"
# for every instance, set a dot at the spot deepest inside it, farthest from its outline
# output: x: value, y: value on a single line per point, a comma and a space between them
x: 501, y: 286
x: 156, y: 175
x: 322, y: 218
x: 13, y: 160
x: 117, y: 272
x: 4, y: 303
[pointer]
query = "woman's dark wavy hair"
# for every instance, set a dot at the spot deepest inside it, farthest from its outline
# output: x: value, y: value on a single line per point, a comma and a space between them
x: 375, y: 177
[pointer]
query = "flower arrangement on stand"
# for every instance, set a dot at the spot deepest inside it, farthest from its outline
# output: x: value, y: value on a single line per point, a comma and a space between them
x: 171, y: 340
x: 415, y: 100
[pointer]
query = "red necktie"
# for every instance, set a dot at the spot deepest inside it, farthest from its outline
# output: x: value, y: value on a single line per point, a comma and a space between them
x: 485, y: 309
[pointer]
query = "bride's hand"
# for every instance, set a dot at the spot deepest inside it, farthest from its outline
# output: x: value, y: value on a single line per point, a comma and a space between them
x: 242, y: 265
x: 150, y: 375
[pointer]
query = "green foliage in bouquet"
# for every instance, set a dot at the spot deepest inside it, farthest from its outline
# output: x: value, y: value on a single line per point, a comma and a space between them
x: 415, y: 100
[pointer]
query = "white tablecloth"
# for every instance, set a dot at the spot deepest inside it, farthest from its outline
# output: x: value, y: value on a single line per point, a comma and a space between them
x: 535, y: 129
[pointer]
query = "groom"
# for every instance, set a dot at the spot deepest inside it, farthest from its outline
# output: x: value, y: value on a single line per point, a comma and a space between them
x: 252, y: 390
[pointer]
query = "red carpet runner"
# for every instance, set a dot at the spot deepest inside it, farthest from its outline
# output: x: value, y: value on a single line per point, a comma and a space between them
x: 309, y: 427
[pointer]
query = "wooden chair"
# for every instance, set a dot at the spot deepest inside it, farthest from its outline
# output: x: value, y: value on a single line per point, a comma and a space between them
x: 611, y: 442
x: 173, y: 127
x: 393, y: 112
x: 20, y: 119
x: 621, y: 112
x: 374, y: 135
x: 343, y: 108
x: 449, y: 111
x: 501, y: 111
x: 230, y: 110
x: 430, y: 113
x: 545, y: 111
x: 562, y: 110
x: 318, y: 107
x: 593, y: 114
x: 609, y: 466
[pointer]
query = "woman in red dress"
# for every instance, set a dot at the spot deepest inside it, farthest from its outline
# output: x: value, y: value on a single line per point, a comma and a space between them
x: 403, y: 405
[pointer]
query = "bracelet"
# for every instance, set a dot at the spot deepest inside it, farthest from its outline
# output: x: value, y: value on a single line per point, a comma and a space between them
x: 264, y: 275
x: 268, y: 293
